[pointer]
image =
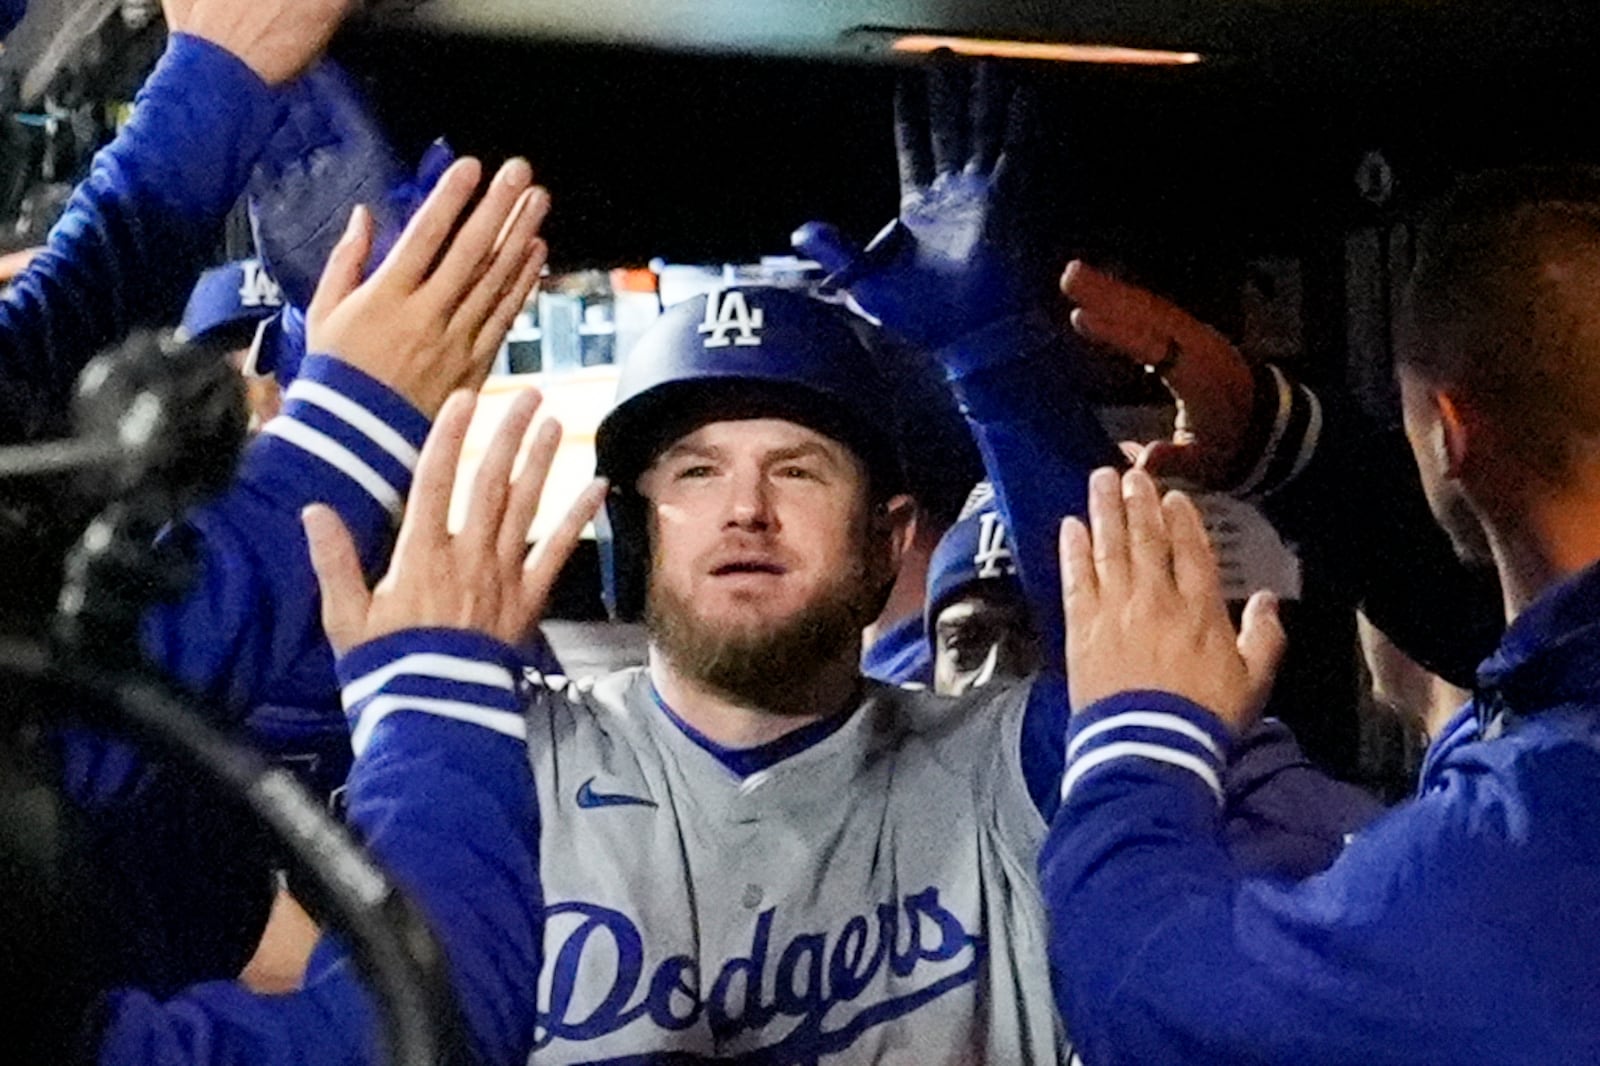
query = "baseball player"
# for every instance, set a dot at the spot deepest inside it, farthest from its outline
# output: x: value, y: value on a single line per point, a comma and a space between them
x: 744, y: 850
x: 248, y: 633
x: 1460, y: 928
x: 226, y: 312
x: 977, y: 619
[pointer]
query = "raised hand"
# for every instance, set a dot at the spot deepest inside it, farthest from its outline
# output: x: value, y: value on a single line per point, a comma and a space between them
x: 1144, y: 606
x: 276, y: 38
x: 947, y: 264
x: 1207, y: 375
x: 427, y: 330
x: 483, y: 578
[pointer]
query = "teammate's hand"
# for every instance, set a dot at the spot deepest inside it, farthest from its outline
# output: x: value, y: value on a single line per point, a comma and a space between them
x: 328, y: 153
x: 1208, y: 376
x: 428, y: 330
x: 946, y: 266
x: 276, y: 38
x: 483, y: 578
x: 1144, y: 606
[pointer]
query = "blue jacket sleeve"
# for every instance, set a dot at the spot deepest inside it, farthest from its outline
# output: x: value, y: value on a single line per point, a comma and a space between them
x: 443, y: 795
x: 1039, y: 444
x: 1450, y: 931
x: 250, y: 630
x: 137, y: 230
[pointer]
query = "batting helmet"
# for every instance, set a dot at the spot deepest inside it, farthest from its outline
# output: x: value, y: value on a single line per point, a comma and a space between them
x: 735, y: 353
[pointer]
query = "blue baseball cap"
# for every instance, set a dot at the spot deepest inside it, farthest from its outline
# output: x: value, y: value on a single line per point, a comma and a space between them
x: 229, y: 303
x: 976, y: 549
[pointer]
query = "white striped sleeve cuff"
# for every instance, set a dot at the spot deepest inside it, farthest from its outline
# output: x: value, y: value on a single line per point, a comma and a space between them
x: 1291, y: 435
x: 454, y: 674
x: 1154, y: 727
x: 361, y: 438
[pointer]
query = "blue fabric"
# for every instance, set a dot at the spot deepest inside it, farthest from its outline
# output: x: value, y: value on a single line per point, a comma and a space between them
x: 238, y: 294
x: 1461, y: 927
x: 962, y: 558
x: 448, y: 809
x: 11, y: 13
x: 901, y: 655
x: 136, y: 232
x: 251, y: 632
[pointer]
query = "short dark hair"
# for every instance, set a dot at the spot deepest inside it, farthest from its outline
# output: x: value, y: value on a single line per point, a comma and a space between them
x: 1504, y: 304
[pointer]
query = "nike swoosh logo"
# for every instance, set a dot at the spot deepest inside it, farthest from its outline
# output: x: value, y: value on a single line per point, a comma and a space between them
x: 589, y: 799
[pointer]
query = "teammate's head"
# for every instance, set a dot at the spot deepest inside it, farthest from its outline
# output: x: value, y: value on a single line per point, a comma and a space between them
x: 977, y: 617
x: 226, y: 312
x: 752, y: 454
x: 1499, y: 354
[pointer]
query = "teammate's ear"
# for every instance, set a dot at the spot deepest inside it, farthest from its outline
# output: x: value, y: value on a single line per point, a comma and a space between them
x: 896, y: 518
x: 1459, y: 433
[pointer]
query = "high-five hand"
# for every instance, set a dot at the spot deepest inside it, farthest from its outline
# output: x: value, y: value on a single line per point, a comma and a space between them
x: 482, y: 578
x: 1206, y: 374
x: 948, y: 264
x: 1144, y: 606
x: 427, y: 330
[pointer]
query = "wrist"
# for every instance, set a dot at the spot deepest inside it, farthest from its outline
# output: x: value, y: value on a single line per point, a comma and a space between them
x: 1280, y: 437
x: 995, y: 343
x: 457, y: 674
x: 1153, y: 728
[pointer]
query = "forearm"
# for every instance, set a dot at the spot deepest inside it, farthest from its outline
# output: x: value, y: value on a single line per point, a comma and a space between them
x: 442, y: 795
x: 1163, y: 951
x: 136, y: 232
x: 1039, y: 444
x: 250, y: 631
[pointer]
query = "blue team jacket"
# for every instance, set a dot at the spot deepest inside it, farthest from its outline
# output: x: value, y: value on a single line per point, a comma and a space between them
x: 1462, y: 927
x: 442, y: 793
x: 124, y: 254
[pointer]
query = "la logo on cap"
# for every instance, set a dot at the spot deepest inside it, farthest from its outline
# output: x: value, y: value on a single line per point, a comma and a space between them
x: 256, y: 287
x: 993, y: 557
x: 727, y: 312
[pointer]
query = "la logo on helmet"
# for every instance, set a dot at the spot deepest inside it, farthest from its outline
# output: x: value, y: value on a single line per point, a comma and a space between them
x: 727, y: 312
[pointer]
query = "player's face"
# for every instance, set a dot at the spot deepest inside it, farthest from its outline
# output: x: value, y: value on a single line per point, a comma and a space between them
x: 1449, y: 504
x: 753, y: 519
x: 979, y: 640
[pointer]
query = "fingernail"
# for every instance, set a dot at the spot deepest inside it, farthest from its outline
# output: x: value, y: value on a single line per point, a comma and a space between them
x: 516, y: 172
x: 358, y: 216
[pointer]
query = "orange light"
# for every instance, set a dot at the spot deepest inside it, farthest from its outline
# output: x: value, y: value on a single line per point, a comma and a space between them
x: 1058, y: 53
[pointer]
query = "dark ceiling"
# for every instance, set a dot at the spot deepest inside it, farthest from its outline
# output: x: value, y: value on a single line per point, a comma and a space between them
x: 719, y: 125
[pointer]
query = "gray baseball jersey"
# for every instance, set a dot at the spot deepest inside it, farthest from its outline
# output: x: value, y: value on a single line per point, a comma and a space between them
x: 870, y: 899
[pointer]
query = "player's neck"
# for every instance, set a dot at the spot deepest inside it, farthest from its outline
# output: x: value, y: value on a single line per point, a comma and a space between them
x: 1550, y: 539
x: 735, y: 723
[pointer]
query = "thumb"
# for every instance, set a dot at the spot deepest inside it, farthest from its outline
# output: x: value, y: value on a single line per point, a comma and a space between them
x: 345, y: 598
x: 1167, y: 460
x: 1261, y: 644
x: 346, y: 264
x: 824, y: 243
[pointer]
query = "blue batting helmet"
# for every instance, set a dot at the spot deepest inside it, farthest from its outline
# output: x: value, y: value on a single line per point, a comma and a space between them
x: 740, y: 352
